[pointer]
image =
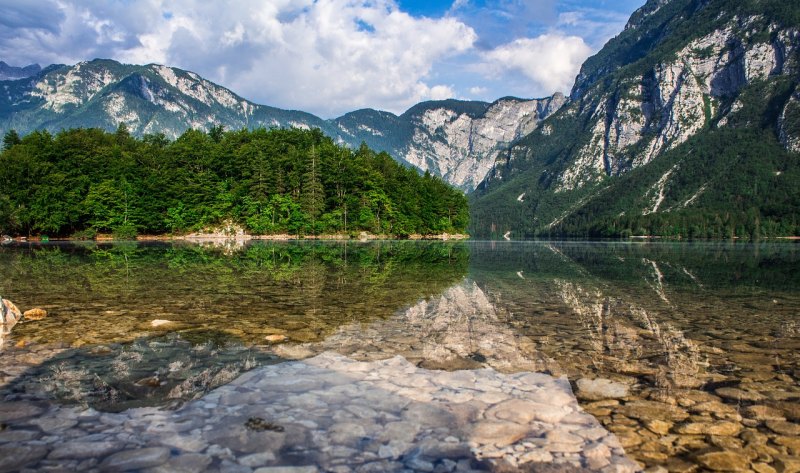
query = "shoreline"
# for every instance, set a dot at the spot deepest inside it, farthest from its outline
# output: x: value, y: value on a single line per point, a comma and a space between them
x: 243, y: 237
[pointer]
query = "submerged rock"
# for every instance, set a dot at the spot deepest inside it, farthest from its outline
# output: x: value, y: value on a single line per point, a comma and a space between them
x: 331, y: 413
x: 35, y: 314
x: 724, y: 461
x: 9, y: 315
x: 599, y: 389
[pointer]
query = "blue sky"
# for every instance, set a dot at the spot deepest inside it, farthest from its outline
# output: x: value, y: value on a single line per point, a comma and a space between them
x: 329, y: 56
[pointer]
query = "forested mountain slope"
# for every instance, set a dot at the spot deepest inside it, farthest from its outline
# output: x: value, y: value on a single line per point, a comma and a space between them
x: 685, y: 124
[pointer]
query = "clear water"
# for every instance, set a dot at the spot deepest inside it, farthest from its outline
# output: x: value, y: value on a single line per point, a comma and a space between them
x: 703, y: 336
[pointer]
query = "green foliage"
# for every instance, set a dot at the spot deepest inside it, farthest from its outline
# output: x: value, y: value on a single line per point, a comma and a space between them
x: 84, y: 181
x: 10, y: 139
x: 126, y: 231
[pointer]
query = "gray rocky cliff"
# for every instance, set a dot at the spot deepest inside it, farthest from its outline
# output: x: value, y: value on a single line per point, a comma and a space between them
x: 147, y: 99
x: 456, y: 140
x: 462, y: 149
x: 651, y: 113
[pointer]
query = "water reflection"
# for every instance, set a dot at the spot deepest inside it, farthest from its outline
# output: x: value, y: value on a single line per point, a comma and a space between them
x: 686, y: 353
x: 459, y: 329
x: 113, y: 293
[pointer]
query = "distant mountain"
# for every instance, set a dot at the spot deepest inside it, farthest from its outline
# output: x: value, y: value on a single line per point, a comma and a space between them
x: 687, y: 123
x: 457, y: 140
x: 13, y: 73
x: 148, y: 99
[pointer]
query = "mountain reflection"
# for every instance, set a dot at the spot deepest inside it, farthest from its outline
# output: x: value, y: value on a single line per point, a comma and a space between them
x: 459, y: 329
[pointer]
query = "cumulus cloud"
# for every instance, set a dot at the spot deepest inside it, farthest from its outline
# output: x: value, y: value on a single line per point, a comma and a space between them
x: 325, y: 56
x: 477, y: 90
x: 550, y: 61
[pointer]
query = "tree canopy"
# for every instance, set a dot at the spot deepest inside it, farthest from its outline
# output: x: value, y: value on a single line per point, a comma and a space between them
x: 83, y: 181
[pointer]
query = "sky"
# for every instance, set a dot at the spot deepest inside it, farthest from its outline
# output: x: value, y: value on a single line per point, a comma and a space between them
x: 329, y: 57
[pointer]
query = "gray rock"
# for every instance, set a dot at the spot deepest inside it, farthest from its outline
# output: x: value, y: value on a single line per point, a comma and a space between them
x: 288, y: 469
x: 82, y: 450
x: 188, y: 463
x: 55, y: 424
x: 9, y: 436
x: 136, y: 459
x: 18, y: 410
x: 419, y: 464
x: 257, y: 459
x: 14, y: 457
x: 241, y: 439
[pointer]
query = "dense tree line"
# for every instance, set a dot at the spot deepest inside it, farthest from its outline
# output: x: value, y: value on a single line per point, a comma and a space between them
x: 83, y: 181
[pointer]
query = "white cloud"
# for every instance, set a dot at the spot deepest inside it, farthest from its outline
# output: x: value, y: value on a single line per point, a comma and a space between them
x: 550, y: 61
x: 441, y: 92
x: 325, y: 56
x: 477, y: 90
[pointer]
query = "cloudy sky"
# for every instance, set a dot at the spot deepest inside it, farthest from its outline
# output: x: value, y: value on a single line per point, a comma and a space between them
x: 328, y: 56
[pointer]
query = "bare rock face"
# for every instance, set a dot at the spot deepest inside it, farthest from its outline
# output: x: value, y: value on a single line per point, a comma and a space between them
x: 650, y: 114
x: 789, y: 123
x: 462, y: 148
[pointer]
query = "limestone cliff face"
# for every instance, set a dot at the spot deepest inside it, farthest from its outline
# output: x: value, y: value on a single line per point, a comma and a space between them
x: 147, y: 99
x: 682, y: 72
x: 456, y: 140
x: 789, y: 123
x: 462, y: 148
x: 653, y: 112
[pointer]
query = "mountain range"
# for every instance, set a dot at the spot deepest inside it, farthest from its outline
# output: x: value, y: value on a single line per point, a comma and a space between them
x: 687, y: 123
x: 457, y: 140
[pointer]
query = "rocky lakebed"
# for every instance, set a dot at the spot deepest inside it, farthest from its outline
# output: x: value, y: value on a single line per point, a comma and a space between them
x: 470, y: 368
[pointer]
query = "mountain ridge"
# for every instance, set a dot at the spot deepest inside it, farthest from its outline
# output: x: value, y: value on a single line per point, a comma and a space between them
x: 154, y: 98
x: 681, y: 74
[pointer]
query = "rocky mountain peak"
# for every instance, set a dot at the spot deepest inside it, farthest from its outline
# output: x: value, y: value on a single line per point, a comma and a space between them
x: 8, y: 72
x: 683, y: 72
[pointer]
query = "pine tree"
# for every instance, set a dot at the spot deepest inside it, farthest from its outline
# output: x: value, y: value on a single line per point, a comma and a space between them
x: 10, y: 139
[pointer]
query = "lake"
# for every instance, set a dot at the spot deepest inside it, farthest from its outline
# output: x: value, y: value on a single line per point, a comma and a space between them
x: 402, y: 356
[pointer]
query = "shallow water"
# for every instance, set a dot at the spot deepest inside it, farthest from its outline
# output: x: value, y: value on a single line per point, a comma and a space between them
x: 686, y: 353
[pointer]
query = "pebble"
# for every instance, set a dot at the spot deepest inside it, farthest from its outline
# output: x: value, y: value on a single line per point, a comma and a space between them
x: 763, y: 413
x: 35, y: 314
x: 711, y: 428
x: 14, y: 457
x: 288, y: 469
x: 81, y: 450
x: 784, y: 428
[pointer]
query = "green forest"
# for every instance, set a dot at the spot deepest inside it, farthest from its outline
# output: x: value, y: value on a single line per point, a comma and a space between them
x: 82, y: 182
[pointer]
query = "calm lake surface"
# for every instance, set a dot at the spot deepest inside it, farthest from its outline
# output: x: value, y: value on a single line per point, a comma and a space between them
x: 402, y: 356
